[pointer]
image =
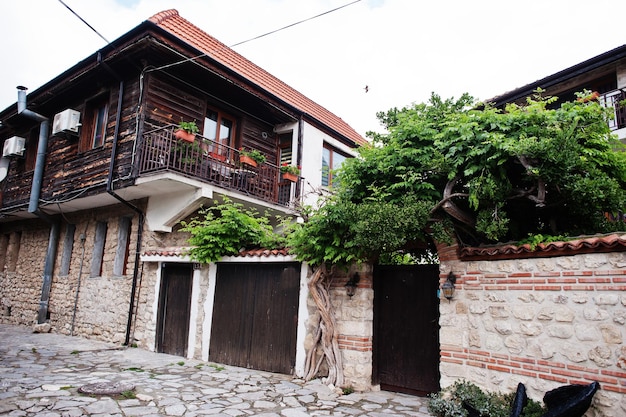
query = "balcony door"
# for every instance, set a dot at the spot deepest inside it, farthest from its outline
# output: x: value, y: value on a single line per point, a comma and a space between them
x: 220, y: 129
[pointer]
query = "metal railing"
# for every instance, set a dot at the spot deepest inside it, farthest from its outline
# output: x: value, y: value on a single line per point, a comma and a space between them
x: 615, y: 99
x: 211, y: 162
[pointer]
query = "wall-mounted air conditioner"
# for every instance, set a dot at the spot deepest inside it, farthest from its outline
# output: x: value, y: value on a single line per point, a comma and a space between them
x: 68, y: 121
x: 14, y: 146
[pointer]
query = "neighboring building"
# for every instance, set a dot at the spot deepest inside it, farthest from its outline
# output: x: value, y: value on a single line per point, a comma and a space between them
x: 603, y: 75
x: 549, y: 316
x: 94, y: 183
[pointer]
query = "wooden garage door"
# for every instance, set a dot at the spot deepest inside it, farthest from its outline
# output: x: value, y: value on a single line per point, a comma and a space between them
x: 174, y: 308
x: 255, y: 316
x: 406, y: 328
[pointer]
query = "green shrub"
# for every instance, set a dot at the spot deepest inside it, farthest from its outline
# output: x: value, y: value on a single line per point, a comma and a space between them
x: 448, y: 402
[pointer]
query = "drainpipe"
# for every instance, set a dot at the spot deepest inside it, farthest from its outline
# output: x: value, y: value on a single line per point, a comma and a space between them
x: 140, y: 214
x: 299, y: 152
x: 33, y: 205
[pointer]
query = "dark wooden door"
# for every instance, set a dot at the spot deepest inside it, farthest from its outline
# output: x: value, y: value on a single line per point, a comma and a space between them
x: 255, y: 316
x: 174, y: 307
x: 406, y: 328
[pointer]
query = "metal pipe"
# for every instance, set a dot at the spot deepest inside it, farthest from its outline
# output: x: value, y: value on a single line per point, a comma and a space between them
x: 33, y: 204
x: 140, y: 214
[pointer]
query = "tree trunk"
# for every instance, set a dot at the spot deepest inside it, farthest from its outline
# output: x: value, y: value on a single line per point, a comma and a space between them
x: 326, y: 334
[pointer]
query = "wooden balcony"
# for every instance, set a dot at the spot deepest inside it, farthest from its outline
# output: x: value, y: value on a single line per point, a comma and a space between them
x: 213, y: 163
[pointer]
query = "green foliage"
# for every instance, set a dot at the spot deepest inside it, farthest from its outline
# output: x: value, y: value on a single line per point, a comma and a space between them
x: 533, y: 240
x: 533, y: 168
x: 342, y: 232
x: 225, y: 229
x: 189, y: 127
x: 448, y: 402
x: 254, y: 154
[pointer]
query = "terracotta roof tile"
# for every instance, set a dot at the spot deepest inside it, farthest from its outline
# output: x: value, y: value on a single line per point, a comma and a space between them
x: 592, y: 244
x: 172, y: 22
x: 248, y: 253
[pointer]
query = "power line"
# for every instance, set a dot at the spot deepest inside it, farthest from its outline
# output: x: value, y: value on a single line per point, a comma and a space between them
x: 192, y: 59
x: 83, y: 20
x: 293, y: 24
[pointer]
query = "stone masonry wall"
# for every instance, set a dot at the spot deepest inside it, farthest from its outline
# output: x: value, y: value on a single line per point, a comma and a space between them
x: 545, y: 322
x: 354, y: 326
x: 95, y: 307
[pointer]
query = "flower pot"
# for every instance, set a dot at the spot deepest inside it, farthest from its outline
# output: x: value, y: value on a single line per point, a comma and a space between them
x: 290, y: 177
x: 247, y: 160
x: 217, y: 156
x: 184, y: 135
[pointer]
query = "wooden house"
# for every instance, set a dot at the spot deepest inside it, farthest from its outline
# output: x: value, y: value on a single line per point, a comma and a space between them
x: 94, y: 182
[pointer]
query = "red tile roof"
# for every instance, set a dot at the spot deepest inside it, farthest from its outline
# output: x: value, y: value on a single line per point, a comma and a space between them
x: 248, y: 253
x: 594, y: 244
x: 172, y: 22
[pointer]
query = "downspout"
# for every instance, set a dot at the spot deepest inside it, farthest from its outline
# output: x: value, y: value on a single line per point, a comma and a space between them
x: 140, y: 214
x: 33, y: 205
x: 299, y: 152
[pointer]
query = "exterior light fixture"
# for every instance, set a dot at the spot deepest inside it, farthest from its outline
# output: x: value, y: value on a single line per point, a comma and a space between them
x: 447, y: 288
x: 351, y: 284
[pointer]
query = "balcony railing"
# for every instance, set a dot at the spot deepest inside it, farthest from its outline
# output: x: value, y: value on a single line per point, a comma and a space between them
x: 615, y: 99
x: 212, y: 162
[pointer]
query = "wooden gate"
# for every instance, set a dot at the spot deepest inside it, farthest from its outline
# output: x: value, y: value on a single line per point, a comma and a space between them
x: 174, y: 307
x: 406, y: 328
x: 255, y: 316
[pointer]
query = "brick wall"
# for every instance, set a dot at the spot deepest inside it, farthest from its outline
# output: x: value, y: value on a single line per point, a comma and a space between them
x: 545, y: 322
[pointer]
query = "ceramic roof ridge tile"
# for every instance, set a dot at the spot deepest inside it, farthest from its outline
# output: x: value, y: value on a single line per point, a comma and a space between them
x: 606, y: 243
x: 171, y: 21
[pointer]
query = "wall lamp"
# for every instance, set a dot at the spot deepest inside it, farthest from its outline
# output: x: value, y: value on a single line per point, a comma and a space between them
x: 447, y: 288
x: 351, y: 284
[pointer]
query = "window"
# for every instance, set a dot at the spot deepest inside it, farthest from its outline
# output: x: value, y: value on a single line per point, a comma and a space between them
x: 331, y: 160
x: 93, y: 132
x: 220, y: 129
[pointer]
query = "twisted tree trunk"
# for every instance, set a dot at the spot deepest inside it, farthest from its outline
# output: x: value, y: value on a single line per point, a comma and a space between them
x: 326, y: 334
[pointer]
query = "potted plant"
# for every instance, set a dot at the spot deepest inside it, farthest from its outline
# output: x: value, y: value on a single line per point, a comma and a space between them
x: 186, y: 131
x: 251, y: 157
x: 290, y: 172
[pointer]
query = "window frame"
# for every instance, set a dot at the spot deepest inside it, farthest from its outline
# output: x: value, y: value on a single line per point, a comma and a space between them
x: 326, y: 174
x: 223, y: 149
x: 95, y: 120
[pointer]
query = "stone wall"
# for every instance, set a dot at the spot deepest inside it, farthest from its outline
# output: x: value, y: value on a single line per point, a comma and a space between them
x: 545, y: 322
x: 95, y: 307
x: 354, y: 317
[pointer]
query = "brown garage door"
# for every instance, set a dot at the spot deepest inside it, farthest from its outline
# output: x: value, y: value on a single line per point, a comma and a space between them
x: 406, y: 328
x: 255, y: 316
x: 174, y: 308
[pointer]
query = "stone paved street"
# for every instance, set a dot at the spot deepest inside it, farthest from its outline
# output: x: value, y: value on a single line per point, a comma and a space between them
x: 41, y: 374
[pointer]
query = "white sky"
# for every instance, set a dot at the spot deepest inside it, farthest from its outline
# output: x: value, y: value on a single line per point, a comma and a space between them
x: 401, y: 49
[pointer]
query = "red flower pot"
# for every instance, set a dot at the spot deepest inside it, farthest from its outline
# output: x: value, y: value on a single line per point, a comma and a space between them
x: 290, y: 177
x: 244, y: 159
x: 184, y: 135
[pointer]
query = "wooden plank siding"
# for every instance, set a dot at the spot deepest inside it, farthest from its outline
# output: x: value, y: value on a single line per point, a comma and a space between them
x: 67, y: 171
x: 165, y: 101
x: 168, y: 103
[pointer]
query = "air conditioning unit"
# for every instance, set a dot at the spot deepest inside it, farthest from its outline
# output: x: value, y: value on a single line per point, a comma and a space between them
x: 68, y: 121
x: 14, y: 146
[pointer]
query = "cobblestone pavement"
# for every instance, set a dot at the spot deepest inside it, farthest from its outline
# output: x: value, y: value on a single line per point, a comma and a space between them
x: 41, y: 375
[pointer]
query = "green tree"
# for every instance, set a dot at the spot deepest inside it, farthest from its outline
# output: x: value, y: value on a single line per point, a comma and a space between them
x: 493, y: 175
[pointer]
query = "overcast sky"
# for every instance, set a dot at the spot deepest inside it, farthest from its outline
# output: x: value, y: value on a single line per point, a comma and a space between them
x: 401, y: 49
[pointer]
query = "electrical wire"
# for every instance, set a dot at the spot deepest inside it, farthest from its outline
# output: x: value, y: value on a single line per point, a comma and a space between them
x: 293, y: 24
x: 84, y: 21
x: 194, y: 58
